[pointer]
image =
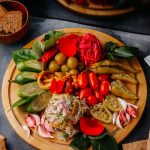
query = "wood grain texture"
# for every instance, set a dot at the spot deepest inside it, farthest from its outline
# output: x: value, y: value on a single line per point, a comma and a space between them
x: 16, y: 116
x: 2, y: 143
x: 96, y: 10
x: 138, y: 145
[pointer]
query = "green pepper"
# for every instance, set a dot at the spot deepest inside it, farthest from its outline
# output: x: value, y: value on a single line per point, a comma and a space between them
x: 112, y: 103
x: 39, y: 103
x: 31, y: 65
x: 120, y: 90
x: 100, y: 112
x: 25, y: 77
x: 30, y: 89
x: 23, y: 101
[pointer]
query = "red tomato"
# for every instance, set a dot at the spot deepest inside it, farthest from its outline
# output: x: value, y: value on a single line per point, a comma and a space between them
x: 85, y: 93
x: 104, y: 87
x: 93, y: 80
x: 92, y: 100
x: 99, y: 96
x: 82, y: 80
x: 90, y: 126
x: 103, y: 77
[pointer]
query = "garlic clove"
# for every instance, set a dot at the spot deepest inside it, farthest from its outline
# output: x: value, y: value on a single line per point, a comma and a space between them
x: 118, y: 124
x: 114, y: 117
x: 27, y: 129
x: 47, y: 127
x: 43, y: 133
x: 30, y: 121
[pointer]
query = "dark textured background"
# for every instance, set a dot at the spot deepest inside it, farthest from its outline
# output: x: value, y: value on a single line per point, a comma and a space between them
x: 39, y: 26
x: 137, y: 22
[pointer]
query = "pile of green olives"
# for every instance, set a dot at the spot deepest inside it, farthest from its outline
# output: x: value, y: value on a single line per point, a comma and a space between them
x: 64, y: 64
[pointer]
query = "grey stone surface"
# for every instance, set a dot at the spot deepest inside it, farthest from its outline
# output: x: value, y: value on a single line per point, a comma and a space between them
x: 39, y: 26
x: 137, y: 22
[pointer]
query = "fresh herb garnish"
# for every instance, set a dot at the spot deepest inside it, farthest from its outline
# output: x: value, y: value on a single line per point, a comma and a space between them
x: 80, y: 142
x: 114, y: 51
x: 105, y: 143
x: 49, y: 40
x: 38, y: 48
x: 101, y: 142
x: 22, y: 55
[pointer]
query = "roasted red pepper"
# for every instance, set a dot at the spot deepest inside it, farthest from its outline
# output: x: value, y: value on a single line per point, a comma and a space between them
x: 90, y: 126
x: 48, y: 55
x: 67, y: 44
x: 57, y: 86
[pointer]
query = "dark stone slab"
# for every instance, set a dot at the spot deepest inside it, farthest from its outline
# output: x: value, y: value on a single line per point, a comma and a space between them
x: 39, y: 26
x: 137, y: 22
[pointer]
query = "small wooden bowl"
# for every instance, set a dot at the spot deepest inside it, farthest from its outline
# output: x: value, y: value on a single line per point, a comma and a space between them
x: 14, y: 6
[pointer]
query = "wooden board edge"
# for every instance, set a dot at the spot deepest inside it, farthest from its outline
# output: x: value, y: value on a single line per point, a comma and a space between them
x: 98, y: 13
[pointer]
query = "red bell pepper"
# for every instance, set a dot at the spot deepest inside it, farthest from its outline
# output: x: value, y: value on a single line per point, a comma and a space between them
x: 57, y: 86
x: 68, y: 45
x: 90, y: 126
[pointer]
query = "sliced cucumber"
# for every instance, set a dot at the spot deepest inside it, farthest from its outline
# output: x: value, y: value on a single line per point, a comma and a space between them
x: 29, y: 89
x: 31, y: 65
x: 25, y: 77
x: 39, y: 103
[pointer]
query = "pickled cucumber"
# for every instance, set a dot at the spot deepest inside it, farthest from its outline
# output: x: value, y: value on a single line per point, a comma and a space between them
x: 29, y: 89
x: 31, y: 65
x: 25, y: 77
x: 39, y: 103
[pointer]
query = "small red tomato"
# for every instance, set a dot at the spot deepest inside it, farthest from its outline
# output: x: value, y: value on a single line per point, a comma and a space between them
x: 93, y: 80
x: 82, y: 80
x: 103, y: 77
x: 92, y: 100
x: 85, y: 93
x: 104, y: 87
x: 99, y: 96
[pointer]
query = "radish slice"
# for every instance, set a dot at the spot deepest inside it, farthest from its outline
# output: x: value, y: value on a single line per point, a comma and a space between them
x: 26, y: 128
x: 123, y: 103
x: 44, y: 133
x: 118, y: 122
x: 114, y: 117
x: 47, y: 127
x: 37, y: 118
x: 43, y: 120
x: 127, y: 118
x: 30, y: 121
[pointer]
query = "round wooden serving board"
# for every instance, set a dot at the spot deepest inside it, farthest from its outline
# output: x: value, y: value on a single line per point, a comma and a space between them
x: 16, y: 116
x: 96, y: 10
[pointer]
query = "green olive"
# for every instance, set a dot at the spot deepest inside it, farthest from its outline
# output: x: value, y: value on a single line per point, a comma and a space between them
x: 60, y: 58
x: 64, y: 68
x: 54, y: 66
x: 72, y: 62
x: 73, y: 71
x: 81, y: 66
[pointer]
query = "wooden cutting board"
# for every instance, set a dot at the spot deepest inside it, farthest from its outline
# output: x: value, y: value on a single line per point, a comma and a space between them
x: 16, y: 116
x: 96, y: 10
